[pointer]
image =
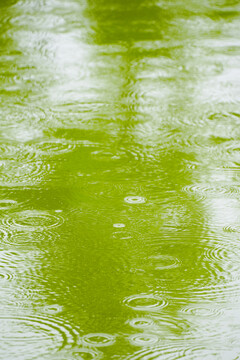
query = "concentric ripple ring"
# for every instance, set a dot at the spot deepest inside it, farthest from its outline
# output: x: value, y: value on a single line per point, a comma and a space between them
x: 32, y: 220
x: 145, y: 302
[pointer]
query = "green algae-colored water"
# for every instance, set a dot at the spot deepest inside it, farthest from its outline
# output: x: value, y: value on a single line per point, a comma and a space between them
x: 119, y: 179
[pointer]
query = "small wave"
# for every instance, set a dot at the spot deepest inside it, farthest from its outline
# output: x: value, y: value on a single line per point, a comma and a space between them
x: 29, y: 239
x: 9, y: 264
x: 7, y: 204
x: 232, y: 229
x: 185, y: 352
x: 202, y: 191
x: 53, y: 147
x: 78, y: 353
x: 13, y: 173
x: 34, y: 336
x: 13, y: 150
x: 202, y: 310
x: 165, y: 326
x: 21, y: 114
x: 3, y: 235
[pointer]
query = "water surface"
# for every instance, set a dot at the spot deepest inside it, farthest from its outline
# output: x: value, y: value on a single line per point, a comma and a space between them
x: 119, y: 179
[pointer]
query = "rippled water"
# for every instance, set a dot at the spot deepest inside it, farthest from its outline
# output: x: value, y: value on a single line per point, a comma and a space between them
x: 120, y: 179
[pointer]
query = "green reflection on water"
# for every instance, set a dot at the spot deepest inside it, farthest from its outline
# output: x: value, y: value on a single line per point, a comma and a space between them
x: 119, y: 175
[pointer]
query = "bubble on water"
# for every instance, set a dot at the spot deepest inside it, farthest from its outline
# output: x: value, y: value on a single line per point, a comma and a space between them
x: 143, y: 339
x: 145, y: 302
x: 135, y: 200
x: 32, y: 220
x: 99, y: 339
